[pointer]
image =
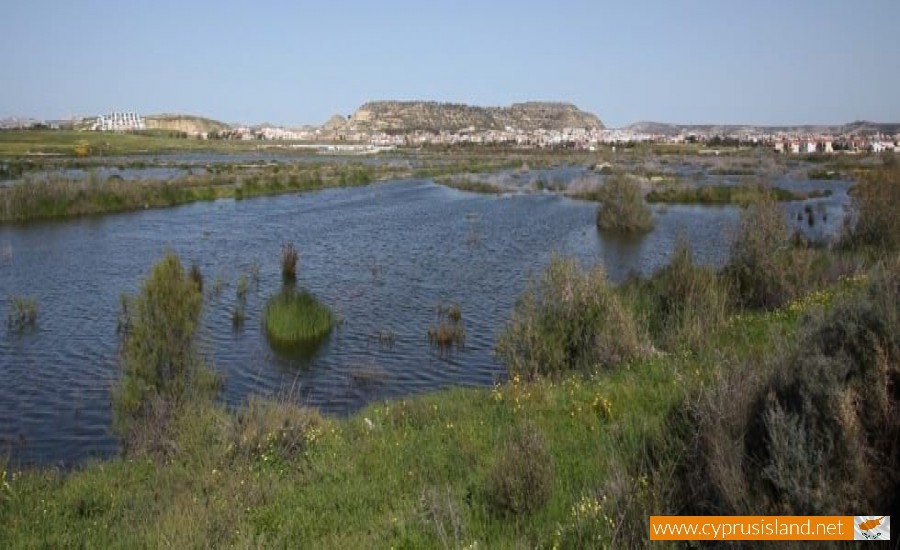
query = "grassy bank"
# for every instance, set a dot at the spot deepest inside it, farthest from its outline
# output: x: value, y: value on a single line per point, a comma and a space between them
x: 727, y: 194
x: 57, y: 197
x: 414, y: 474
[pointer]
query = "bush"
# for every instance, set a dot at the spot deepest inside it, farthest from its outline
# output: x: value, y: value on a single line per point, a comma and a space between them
x: 295, y: 318
x: 817, y: 432
x: 689, y: 301
x: 522, y: 478
x: 289, y: 257
x: 622, y: 208
x: 161, y: 368
x: 569, y: 320
x: 765, y: 269
x: 876, y: 201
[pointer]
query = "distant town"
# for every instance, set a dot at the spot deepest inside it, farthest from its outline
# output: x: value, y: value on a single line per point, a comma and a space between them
x: 851, y: 138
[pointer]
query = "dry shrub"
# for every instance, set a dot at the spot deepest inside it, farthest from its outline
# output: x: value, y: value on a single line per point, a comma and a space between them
x: 569, y: 320
x: 275, y: 428
x: 522, y: 477
x: 765, y: 268
x: 440, y: 512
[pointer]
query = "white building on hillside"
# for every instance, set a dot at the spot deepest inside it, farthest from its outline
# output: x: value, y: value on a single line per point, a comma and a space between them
x: 119, y: 122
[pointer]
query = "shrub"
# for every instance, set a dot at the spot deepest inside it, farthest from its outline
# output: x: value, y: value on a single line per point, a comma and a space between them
x: 160, y: 365
x: 296, y: 317
x: 622, y: 208
x: 522, y: 477
x: 817, y: 432
x: 569, y: 320
x: 876, y: 201
x: 765, y: 269
x: 289, y: 257
x: 23, y: 313
x: 690, y: 301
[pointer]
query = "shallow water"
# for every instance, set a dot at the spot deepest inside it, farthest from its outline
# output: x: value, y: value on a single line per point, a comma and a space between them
x: 380, y: 256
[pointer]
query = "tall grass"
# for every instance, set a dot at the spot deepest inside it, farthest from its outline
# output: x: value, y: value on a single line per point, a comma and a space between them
x: 622, y: 208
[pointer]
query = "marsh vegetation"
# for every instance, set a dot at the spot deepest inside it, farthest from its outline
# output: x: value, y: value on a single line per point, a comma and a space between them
x: 765, y: 387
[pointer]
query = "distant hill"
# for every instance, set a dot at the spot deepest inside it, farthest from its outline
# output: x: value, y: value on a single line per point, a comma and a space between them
x: 860, y: 127
x: 185, y: 123
x: 410, y: 116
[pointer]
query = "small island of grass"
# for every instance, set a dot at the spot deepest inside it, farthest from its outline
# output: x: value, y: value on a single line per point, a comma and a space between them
x: 296, y: 318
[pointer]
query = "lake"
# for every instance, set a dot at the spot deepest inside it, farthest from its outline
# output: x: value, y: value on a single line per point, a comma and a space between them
x: 382, y: 257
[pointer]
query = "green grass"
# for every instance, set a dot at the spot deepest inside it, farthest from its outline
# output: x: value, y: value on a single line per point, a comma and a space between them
x: 726, y: 194
x: 64, y: 143
x: 295, y: 317
x: 361, y: 486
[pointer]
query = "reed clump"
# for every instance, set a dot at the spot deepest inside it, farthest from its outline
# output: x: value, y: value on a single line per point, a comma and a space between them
x: 296, y: 317
x: 450, y: 331
x: 22, y: 314
x: 289, y: 257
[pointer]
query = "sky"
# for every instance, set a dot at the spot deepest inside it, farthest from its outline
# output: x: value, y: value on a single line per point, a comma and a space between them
x: 760, y: 62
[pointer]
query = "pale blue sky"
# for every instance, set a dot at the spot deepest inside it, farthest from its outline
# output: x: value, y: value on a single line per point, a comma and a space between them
x: 760, y: 62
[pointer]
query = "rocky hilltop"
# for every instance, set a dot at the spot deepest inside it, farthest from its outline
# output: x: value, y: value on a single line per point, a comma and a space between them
x: 192, y: 125
x: 411, y: 116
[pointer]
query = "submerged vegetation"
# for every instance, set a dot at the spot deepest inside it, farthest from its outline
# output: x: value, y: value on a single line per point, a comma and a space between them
x: 22, y: 313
